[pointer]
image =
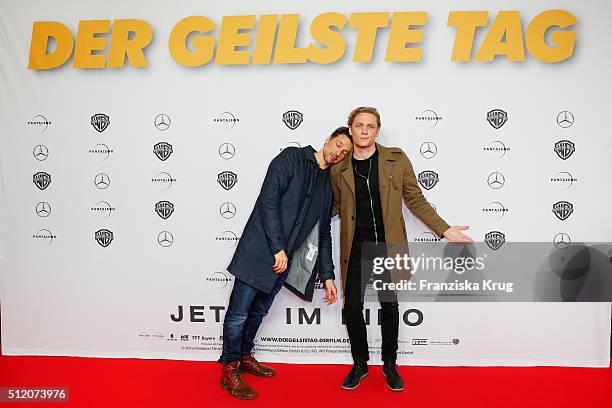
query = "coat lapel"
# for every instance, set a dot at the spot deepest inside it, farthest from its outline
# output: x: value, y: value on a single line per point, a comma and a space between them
x: 386, y: 163
x: 347, y: 174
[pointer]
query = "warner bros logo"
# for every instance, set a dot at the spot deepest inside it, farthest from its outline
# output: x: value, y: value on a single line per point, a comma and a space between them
x: 564, y: 149
x: 563, y: 210
x: 293, y: 119
x: 42, y: 180
x: 497, y: 118
x: 428, y: 179
x: 227, y: 179
x: 104, y: 237
x: 495, y: 239
x: 100, y: 122
x: 164, y: 209
x: 162, y: 150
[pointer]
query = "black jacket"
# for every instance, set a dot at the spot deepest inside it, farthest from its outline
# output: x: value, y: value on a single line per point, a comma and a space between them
x: 276, y: 220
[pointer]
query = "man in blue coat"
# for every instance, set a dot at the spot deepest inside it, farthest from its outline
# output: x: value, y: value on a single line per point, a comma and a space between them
x: 286, y: 241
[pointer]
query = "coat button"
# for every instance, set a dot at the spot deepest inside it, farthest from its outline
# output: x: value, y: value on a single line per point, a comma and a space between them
x: 345, y: 261
x: 352, y: 217
x: 297, y: 223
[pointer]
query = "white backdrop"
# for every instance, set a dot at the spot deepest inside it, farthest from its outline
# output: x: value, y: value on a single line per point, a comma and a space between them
x: 69, y: 295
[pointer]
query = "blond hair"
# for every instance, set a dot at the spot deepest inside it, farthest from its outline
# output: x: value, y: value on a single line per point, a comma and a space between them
x: 363, y: 109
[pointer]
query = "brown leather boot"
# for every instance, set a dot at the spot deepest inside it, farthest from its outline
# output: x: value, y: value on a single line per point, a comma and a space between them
x: 232, y: 380
x: 248, y: 364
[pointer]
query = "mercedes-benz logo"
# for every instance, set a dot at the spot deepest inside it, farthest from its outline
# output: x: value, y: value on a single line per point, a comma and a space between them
x: 565, y: 119
x: 428, y: 150
x: 162, y: 121
x: 43, y: 209
x: 102, y: 181
x: 227, y: 210
x: 562, y: 240
x: 40, y: 152
x: 227, y: 151
x: 496, y: 180
x: 165, y: 239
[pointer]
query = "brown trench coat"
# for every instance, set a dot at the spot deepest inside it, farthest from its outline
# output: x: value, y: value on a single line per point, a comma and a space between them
x: 397, y: 182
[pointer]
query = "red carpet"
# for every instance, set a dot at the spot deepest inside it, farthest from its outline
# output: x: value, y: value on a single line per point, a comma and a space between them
x: 110, y: 383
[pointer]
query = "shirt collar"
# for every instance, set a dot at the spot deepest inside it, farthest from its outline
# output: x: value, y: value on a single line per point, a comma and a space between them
x: 309, y: 152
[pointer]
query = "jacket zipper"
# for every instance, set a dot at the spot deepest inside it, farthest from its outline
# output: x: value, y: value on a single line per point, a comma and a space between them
x: 391, y: 185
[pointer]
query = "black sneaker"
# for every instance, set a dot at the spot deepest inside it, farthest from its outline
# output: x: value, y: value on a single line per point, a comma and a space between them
x: 394, y: 381
x: 354, y: 377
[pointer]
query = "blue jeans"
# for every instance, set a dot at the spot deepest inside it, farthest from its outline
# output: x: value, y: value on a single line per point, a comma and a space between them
x: 247, y: 307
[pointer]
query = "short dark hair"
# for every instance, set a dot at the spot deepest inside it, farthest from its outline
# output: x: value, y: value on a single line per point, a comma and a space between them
x: 342, y: 130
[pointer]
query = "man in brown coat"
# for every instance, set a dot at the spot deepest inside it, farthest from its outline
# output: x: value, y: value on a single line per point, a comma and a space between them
x: 369, y: 189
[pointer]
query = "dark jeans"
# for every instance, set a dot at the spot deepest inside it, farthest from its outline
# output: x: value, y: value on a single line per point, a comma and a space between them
x: 352, y: 312
x: 247, y: 307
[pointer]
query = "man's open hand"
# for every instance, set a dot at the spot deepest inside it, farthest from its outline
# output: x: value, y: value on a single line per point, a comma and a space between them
x: 280, y: 262
x: 331, y: 292
x: 454, y: 234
